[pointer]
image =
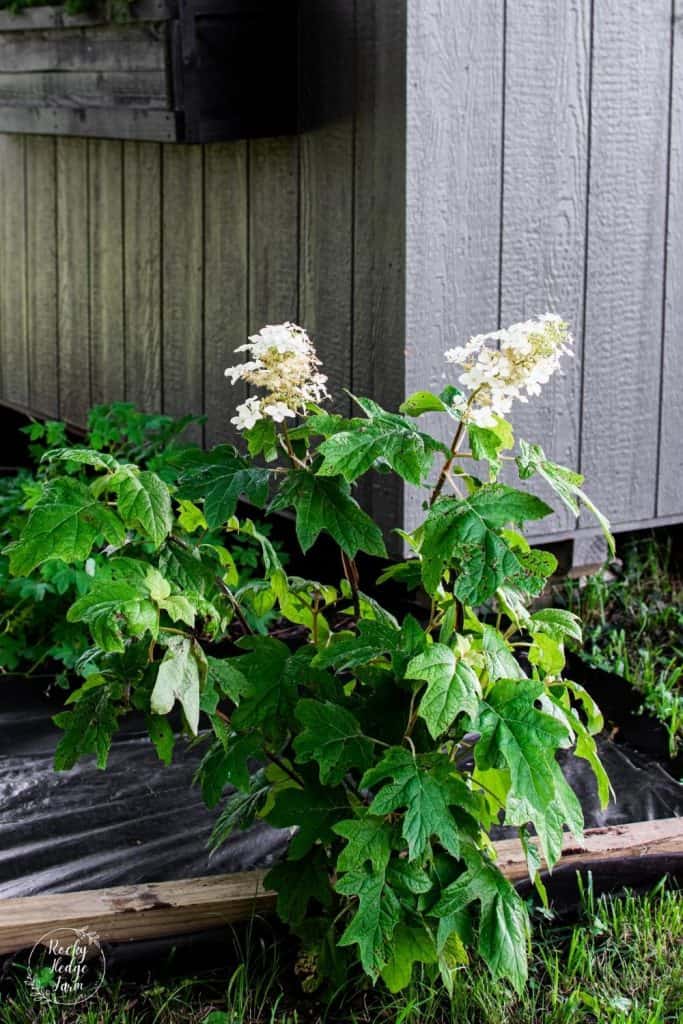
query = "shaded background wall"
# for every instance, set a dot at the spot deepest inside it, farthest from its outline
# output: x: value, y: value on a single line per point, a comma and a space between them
x: 459, y: 165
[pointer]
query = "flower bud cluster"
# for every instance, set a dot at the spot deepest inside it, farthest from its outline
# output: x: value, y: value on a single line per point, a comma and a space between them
x: 526, y: 356
x: 283, y: 362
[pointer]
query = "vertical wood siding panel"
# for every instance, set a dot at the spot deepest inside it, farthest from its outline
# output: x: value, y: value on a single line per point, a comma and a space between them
x: 182, y: 343
x: 326, y: 185
x: 378, y: 229
x: 142, y: 273
x: 622, y: 344
x: 454, y: 129
x: 72, y: 264
x: 544, y: 205
x: 13, y: 338
x: 225, y: 287
x: 41, y: 250
x: 105, y: 202
x: 670, y: 486
x: 273, y: 231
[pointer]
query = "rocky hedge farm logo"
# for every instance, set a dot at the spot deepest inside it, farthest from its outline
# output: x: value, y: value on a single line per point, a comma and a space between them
x: 66, y: 966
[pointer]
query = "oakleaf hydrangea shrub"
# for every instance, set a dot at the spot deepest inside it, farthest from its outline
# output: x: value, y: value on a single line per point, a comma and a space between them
x: 389, y: 746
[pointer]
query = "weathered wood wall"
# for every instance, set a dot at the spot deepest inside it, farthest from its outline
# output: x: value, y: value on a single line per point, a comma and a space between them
x: 133, y: 270
x: 545, y: 168
x: 459, y: 166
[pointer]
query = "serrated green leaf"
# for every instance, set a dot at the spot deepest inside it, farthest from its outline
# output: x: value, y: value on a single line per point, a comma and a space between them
x: 144, y: 502
x: 324, y: 503
x: 374, y: 640
x: 82, y: 456
x: 223, y: 766
x: 333, y: 738
x: 500, y: 661
x: 452, y: 688
x: 464, y: 531
x: 421, y: 402
x: 88, y: 729
x: 367, y: 839
x: 504, y: 923
x: 556, y: 622
x: 488, y: 442
x: 241, y: 810
x: 227, y: 677
x: 270, y: 694
x: 313, y: 810
x: 114, y: 608
x: 423, y: 793
x: 64, y: 523
x: 565, y: 482
x: 162, y: 736
x: 221, y: 477
x: 547, y: 653
x: 383, y: 436
x: 297, y: 884
x: 373, y: 924
x: 409, y: 945
x: 179, y: 679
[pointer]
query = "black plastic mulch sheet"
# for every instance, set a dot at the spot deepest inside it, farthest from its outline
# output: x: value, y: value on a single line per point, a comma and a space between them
x: 140, y: 821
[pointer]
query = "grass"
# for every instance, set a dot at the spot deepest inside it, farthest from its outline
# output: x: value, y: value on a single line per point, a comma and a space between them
x: 622, y: 963
x: 633, y: 626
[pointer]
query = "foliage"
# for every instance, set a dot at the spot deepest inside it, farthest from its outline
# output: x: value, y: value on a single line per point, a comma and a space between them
x: 364, y: 724
x: 634, y: 626
x: 35, y: 629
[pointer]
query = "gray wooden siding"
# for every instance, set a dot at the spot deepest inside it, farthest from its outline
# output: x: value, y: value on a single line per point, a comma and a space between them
x: 460, y: 166
x: 544, y: 172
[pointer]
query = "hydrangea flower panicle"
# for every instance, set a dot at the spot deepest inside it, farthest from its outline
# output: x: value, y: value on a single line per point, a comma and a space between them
x: 283, y: 363
x: 527, y: 356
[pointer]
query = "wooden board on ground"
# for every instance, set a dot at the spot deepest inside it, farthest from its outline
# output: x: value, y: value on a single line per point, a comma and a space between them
x: 129, y: 913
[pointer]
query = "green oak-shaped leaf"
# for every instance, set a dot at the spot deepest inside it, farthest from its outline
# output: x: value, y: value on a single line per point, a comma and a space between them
x: 367, y: 839
x: 332, y: 737
x: 525, y: 738
x: 488, y: 442
x: 464, y: 531
x: 383, y: 436
x: 504, y: 924
x: 314, y: 810
x: 270, y: 694
x: 180, y: 678
x: 565, y: 482
x: 452, y: 688
x: 162, y: 736
x: 373, y: 924
x: 500, y: 661
x: 144, y: 502
x: 88, y: 729
x: 410, y: 944
x: 221, y: 477
x: 374, y: 640
x: 113, y: 608
x: 221, y: 767
x: 297, y: 883
x: 324, y: 503
x: 423, y: 792
x: 558, y: 623
x: 64, y: 523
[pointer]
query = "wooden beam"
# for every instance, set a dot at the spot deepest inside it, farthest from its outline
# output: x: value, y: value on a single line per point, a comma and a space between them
x: 127, y: 913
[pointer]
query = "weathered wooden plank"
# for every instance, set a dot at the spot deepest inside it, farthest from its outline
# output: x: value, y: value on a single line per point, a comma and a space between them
x: 670, y: 475
x: 544, y: 204
x: 13, y: 310
x: 142, y: 273
x: 182, y: 291
x: 96, y: 123
x: 378, y: 327
x: 273, y: 214
x: 73, y: 277
x: 225, y: 282
x: 127, y: 913
x: 326, y: 187
x: 129, y: 47
x: 106, y: 270
x: 56, y: 17
x: 624, y: 282
x: 141, y: 89
x: 41, y: 277
x: 454, y: 131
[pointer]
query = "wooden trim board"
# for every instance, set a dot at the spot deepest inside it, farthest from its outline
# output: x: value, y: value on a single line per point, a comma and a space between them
x: 127, y: 913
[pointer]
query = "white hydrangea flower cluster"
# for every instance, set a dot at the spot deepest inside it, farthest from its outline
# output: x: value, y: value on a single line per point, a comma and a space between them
x: 283, y: 362
x: 528, y: 355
